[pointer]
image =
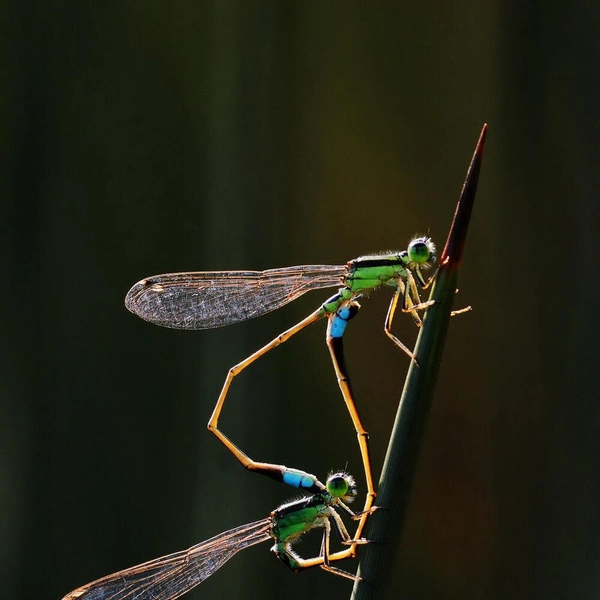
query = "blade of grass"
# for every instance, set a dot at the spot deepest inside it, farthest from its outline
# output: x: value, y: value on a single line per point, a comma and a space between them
x: 385, y: 525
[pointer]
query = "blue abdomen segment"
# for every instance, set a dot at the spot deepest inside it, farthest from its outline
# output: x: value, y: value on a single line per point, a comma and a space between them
x: 340, y: 319
x: 339, y: 322
x: 302, y: 480
x: 298, y: 479
x: 294, y: 477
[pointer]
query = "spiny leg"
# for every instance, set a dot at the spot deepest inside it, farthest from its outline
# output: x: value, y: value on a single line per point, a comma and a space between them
x: 461, y: 311
x: 344, y: 537
x: 408, y: 293
x: 407, y: 302
x: 308, y: 563
x: 246, y: 461
x: 324, y: 559
x: 411, y: 300
x: 387, y: 328
x: 335, y: 330
x: 425, y: 284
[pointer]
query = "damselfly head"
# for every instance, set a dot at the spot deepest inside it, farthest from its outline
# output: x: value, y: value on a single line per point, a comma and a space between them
x: 341, y: 485
x: 421, y: 252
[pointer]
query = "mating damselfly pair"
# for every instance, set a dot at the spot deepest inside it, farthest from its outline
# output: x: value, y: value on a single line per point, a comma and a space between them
x: 202, y: 300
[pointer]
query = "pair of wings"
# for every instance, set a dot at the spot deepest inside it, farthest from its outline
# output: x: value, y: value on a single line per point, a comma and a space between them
x: 173, y: 575
x: 203, y: 300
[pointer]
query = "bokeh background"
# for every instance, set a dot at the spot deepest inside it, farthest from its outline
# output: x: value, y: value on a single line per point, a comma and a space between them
x: 147, y: 137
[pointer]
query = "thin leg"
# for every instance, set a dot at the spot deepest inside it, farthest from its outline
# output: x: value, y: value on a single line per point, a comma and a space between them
x: 410, y: 303
x: 343, y: 535
x: 407, y: 302
x: 340, y: 528
x: 308, y: 563
x: 425, y: 284
x: 400, y: 291
x: 411, y: 300
x: 335, y: 330
x: 324, y: 559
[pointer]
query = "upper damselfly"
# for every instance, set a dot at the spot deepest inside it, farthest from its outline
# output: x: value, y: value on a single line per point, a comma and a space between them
x: 202, y: 300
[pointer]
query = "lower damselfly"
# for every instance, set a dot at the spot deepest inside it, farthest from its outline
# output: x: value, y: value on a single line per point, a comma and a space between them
x: 203, y: 300
x: 171, y: 576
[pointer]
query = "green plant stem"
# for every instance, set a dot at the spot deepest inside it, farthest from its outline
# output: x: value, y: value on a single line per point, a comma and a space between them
x: 386, y: 524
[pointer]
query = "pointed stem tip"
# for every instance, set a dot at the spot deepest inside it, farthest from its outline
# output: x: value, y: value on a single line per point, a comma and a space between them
x: 455, y: 244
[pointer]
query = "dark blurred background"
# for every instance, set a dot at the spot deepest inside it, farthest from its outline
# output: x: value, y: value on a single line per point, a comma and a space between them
x: 147, y: 137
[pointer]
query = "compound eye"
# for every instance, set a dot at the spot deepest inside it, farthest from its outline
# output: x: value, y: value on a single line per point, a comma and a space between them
x: 421, y: 250
x: 340, y: 485
x: 337, y: 486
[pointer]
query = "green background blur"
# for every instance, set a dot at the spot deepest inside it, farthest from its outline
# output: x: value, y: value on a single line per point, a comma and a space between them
x: 147, y: 137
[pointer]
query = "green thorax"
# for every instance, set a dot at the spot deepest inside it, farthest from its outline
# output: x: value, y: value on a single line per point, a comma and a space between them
x: 295, y: 518
x: 368, y: 272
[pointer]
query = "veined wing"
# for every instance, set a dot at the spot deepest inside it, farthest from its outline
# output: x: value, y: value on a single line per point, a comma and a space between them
x: 171, y: 576
x: 206, y: 299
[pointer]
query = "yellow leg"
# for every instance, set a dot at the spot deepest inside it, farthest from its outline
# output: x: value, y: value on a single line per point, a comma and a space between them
x: 412, y: 300
x: 411, y: 303
x: 326, y: 566
x: 425, y: 284
x: 325, y: 559
x: 307, y: 563
x: 400, y: 291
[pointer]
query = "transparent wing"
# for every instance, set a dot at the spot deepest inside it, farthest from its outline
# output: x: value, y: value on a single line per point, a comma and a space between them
x: 214, y: 298
x: 169, y: 577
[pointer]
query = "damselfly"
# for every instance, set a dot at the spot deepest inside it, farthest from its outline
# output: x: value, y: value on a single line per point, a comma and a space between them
x: 171, y: 576
x: 203, y: 300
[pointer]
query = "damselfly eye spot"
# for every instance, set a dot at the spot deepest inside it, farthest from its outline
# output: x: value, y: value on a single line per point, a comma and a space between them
x: 341, y: 485
x: 421, y: 250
